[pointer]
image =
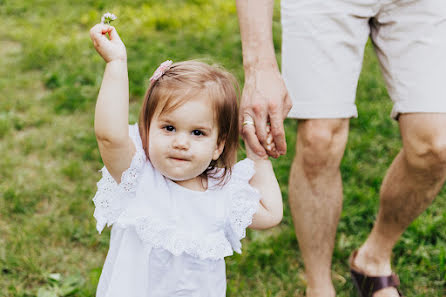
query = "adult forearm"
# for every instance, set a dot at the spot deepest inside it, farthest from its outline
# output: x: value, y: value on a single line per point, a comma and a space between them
x: 112, y: 106
x: 255, y: 20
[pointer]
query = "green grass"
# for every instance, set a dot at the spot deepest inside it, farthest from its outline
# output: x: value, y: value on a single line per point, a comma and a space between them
x: 49, y: 78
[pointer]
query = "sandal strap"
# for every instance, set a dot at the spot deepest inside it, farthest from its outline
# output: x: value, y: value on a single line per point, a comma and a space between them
x: 371, y: 284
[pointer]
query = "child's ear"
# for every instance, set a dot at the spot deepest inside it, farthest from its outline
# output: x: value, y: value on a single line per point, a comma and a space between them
x: 218, y: 150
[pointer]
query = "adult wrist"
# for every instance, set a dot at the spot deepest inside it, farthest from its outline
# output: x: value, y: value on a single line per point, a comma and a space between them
x: 251, y: 66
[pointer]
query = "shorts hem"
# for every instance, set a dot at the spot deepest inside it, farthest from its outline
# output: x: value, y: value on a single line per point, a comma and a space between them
x: 415, y: 107
x: 323, y: 111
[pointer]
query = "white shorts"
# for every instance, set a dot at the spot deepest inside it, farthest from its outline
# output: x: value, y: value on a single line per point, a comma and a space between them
x: 323, y: 47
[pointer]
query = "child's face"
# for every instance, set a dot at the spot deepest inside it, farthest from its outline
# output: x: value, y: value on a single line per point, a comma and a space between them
x: 183, y: 142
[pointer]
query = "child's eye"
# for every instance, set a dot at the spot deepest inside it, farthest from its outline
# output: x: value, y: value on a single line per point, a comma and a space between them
x: 197, y: 133
x: 169, y: 128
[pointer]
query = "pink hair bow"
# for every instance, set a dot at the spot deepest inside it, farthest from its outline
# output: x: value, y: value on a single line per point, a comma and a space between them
x: 161, y: 70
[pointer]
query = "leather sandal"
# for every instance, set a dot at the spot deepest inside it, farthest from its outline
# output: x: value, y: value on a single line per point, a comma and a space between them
x: 368, y: 285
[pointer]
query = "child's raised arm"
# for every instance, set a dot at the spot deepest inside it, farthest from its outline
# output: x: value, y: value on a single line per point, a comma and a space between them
x: 270, y: 211
x: 111, y: 114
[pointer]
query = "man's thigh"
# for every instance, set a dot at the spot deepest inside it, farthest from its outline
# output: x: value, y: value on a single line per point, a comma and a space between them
x: 410, y: 41
x: 322, y: 50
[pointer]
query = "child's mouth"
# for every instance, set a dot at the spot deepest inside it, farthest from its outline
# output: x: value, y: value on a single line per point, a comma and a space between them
x: 179, y: 159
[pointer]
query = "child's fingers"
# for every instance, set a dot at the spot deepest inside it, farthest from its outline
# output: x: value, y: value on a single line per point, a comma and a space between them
x: 271, y: 147
x: 113, y: 34
x: 97, y: 34
x: 269, y: 138
x: 109, y: 47
x: 106, y: 28
x: 98, y: 30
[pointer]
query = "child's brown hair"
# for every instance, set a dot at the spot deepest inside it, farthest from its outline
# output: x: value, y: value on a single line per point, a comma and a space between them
x: 184, y: 80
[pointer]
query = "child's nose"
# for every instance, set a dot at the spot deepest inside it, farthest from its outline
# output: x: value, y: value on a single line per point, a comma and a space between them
x: 181, y: 141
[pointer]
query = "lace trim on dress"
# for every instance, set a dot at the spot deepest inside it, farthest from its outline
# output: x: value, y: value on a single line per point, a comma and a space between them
x: 157, y: 234
x: 244, y: 203
x: 112, y: 198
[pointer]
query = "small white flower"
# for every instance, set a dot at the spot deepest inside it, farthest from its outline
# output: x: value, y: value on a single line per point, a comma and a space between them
x: 107, y: 18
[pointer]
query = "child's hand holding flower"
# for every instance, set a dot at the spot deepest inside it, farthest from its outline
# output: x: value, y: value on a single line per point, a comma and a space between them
x: 112, y: 48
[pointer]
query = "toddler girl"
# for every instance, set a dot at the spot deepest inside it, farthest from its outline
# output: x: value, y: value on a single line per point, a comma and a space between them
x: 177, y: 202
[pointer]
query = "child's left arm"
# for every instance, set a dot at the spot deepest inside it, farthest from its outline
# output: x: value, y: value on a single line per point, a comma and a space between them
x: 270, y: 210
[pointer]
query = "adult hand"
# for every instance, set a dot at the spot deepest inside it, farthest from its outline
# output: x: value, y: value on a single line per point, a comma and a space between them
x: 265, y: 100
x: 270, y: 147
x: 110, y: 49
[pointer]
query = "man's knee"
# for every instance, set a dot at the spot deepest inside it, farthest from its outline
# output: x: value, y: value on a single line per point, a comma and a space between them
x: 424, y: 141
x: 321, y: 144
x: 428, y: 153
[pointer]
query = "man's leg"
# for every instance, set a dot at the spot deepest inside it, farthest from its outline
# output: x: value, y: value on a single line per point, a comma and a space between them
x: 315, y: 195
x: 409, y: 187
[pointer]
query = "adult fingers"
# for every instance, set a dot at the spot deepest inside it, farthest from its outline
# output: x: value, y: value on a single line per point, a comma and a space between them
x: 260, y: 120
x: 287, y: 105
x: 242, y: 112
x: 249, y: 135
x: 262, y: 133
x: 278, y: 131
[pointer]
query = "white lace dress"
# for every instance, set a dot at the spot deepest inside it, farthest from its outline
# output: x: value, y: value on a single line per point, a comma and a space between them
x: 167, y: 240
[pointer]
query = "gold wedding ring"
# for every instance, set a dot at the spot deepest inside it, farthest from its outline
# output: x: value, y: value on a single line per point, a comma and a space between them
x: 248, y: 122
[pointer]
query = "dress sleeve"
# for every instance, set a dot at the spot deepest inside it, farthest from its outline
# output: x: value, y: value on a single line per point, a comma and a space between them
x: 112, y: 198
x: 243, y: 204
